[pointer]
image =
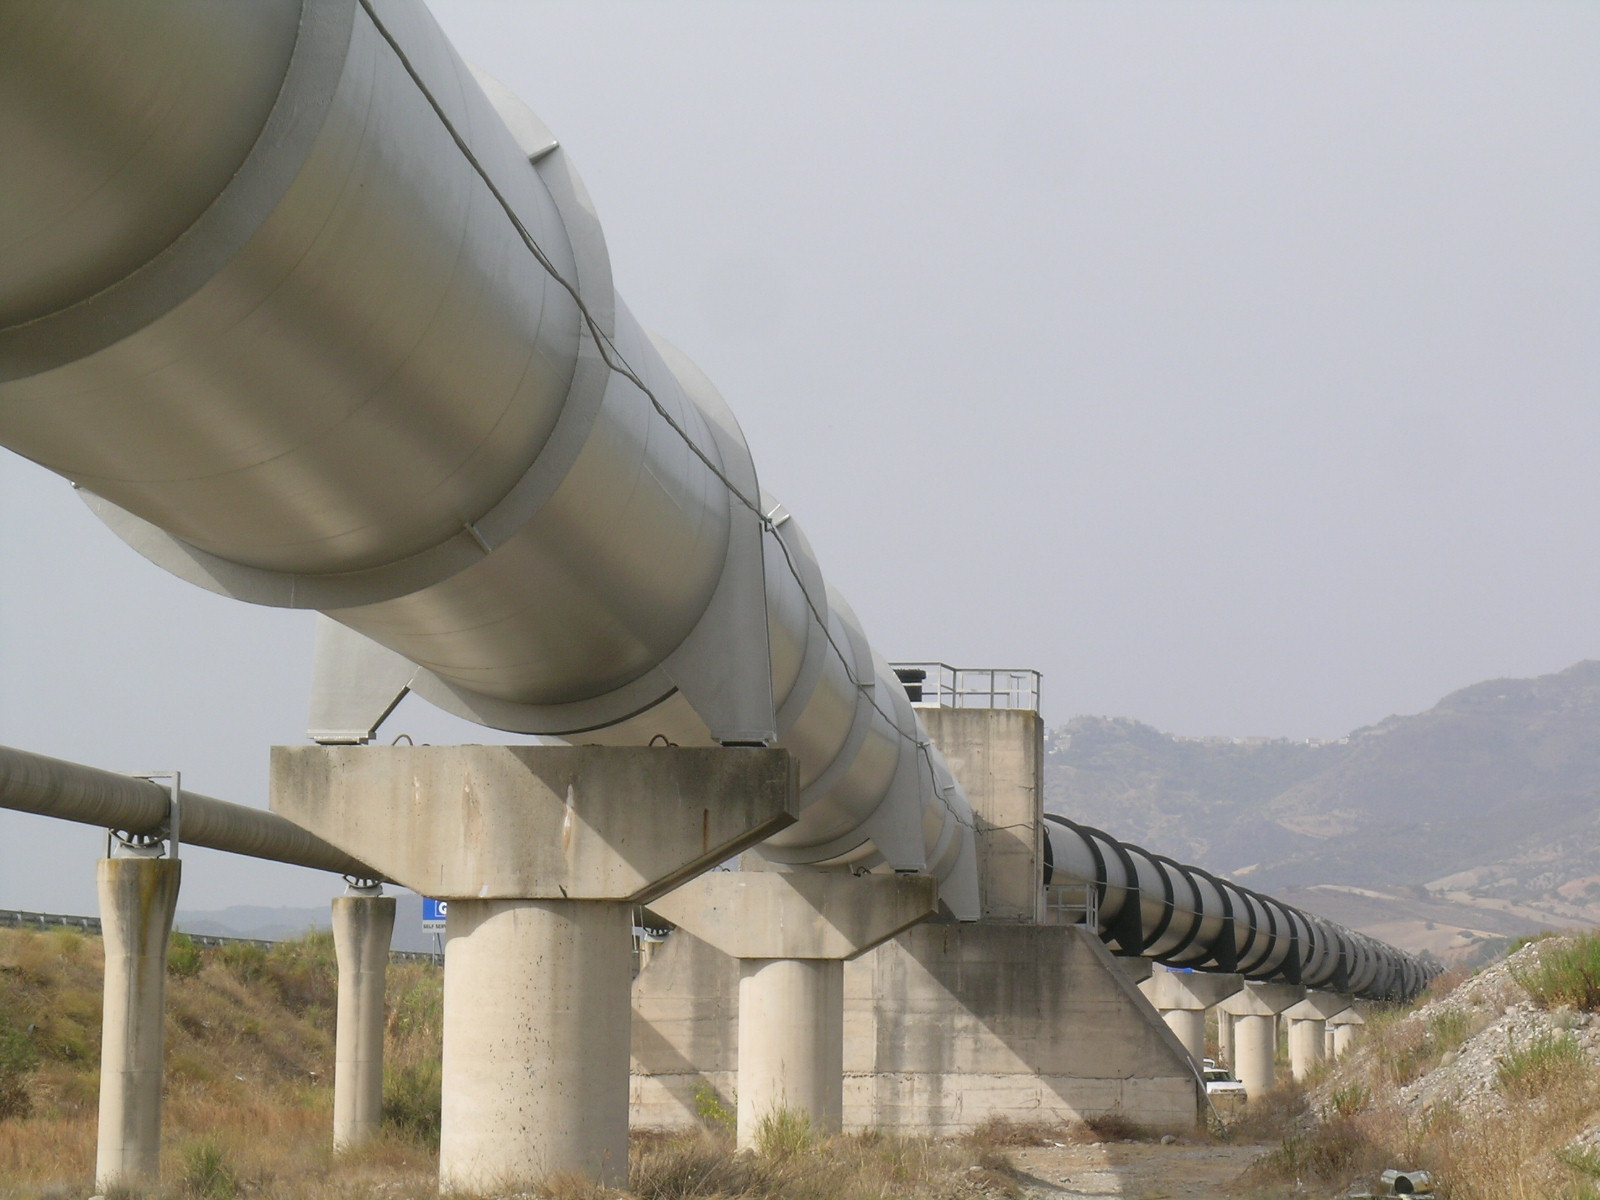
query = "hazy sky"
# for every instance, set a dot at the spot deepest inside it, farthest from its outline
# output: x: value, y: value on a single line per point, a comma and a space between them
x: 1234, y: 364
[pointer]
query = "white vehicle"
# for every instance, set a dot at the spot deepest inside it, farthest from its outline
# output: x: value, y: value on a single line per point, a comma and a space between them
x: 1220, y: 1083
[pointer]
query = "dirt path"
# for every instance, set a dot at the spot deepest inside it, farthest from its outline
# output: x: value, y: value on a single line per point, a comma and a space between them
x: 1135, y: 1170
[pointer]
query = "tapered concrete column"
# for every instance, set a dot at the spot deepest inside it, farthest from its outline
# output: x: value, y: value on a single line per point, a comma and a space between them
x: 1255, y: 1010
x: 1255, y: 1045
x: 363, y: 927
x: 137, y: 899
x: 536, y: 1017
x: 1225, y: 1054
x: 543, y: 852
x: 791, y: 1042
x: 1307, y: 1042
x: 792, y: 932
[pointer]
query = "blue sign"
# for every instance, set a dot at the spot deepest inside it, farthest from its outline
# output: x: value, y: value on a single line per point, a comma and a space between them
x: 433, y: 913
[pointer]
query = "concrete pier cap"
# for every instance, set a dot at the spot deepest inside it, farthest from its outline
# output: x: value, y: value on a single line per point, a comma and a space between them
x: 542, y: 852
x: 792, y: 932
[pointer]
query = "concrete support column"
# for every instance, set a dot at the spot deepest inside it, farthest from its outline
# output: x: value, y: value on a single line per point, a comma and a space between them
x: 137, y: 899
x: 1255, y: 1011
x: 792, y: 932
x: 791, y: 1042
x: 543, y: 852
x: 1328, y: 1050
x: 1306, y: 1045
x: 1342, y: 1030
x: 1308, y: 1029
x: 1189, y: 1027
x: 1225, y: 1053
x: 363, y: 926
x: 536, y: 1015
x: 1255, y: 1045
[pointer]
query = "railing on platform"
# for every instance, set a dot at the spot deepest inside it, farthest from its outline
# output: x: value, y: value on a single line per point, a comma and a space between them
x: 939, y: 685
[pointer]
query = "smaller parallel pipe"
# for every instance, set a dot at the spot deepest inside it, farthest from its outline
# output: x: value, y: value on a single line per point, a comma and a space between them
x: 71, y: 791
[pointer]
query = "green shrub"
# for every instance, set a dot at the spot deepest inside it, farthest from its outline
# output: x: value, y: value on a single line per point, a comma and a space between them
x: 1348, y: 1100
x: 18, y: 1058
x: 1566, y: 975
x: 207, y: 1172
x: 246, y: 960
x: 411, y: 1100
x: 183, y: 957
x: 783, y: 1134
x: 712, y: 1110
x: 1527, y: 1072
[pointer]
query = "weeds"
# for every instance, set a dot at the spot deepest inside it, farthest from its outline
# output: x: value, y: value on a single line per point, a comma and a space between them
x: 183, y: 956
x: 1566, y: 974
x: 1538, y: 1068
x: 18, y: 1059
x: 713, y: 1111
x: 783, y: 1134
x: 207, y: 1173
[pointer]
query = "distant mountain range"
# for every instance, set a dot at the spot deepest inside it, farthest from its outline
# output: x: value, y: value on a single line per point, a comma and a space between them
x: 1476, y: 819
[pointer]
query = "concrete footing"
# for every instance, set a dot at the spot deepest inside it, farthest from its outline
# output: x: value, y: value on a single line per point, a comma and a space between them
x: 363, y: 928
x: 138, y: 897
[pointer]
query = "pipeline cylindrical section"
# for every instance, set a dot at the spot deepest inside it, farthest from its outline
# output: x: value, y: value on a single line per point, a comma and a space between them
x: 71, y: 791
x: 359, y: 350
x: 1186, y: 917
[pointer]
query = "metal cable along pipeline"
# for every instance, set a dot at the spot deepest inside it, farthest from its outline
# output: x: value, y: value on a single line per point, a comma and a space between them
x: 1151, y: 906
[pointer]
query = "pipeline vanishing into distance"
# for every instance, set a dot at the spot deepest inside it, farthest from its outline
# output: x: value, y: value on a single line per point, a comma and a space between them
x: 1153, y: 907
x: 315, y: 317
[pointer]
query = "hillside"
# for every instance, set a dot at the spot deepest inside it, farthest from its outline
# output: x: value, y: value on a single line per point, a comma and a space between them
x: 1478, y: 816
x: 1493, y: 1087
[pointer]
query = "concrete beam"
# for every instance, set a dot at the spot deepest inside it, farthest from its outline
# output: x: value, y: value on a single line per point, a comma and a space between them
x: 1263, y: 999
x: 798, y: 914
x: 138, y: 897
x: 536, y: 822
x: 363, y: 927
x: 1319, y: 1006
x: 1171, y: 990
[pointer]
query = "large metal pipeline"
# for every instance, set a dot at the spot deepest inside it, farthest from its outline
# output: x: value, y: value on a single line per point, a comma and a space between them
x: 313, y: 321
x: 1183, y: 916
x: 70, y: 791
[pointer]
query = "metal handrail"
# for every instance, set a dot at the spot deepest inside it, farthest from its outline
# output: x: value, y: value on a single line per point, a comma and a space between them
x: 939, y: 685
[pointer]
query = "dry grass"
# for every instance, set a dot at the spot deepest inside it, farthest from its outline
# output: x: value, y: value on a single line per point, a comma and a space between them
x: 249, y: 1089
x: 249, y: 1096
